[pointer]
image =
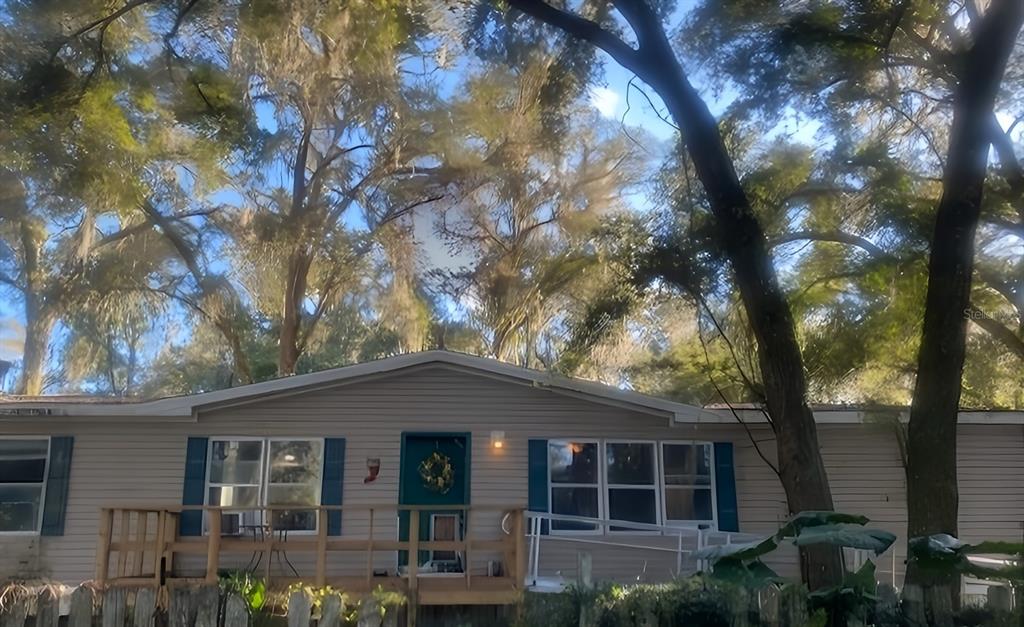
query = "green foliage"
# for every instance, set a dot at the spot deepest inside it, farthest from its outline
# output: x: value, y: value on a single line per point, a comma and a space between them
x: 252, y: 589
x: 944, y: 553
x: 853, y: 597
x: 742, y: 565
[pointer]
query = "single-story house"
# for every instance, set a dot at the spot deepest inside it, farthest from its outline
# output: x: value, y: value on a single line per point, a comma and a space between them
x: 326, y: 475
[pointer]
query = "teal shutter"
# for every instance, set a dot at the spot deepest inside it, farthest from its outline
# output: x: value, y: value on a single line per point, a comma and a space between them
x: 333, y: 481
x: 725, y: 488
x: 194, y: 491
x: 537, y: 495
x: 57, y: 480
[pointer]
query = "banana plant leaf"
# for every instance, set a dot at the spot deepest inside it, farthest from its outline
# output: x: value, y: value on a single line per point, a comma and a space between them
x: 804, y: 520
x: 846, y: 535
x: 994, y: 548
x: 856, y: 591
x: 943, y: 552
x: 750, y: 575
x: 742, y: 551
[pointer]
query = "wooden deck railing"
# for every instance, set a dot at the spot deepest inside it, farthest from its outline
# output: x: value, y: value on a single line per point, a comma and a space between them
x: 141, y: 545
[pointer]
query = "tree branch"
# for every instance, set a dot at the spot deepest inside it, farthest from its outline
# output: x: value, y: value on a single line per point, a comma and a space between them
x: 838, y: 237
x: 581, y: 28
x: 1000, y: 332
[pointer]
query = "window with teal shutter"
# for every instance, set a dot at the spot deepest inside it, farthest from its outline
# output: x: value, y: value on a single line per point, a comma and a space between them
x: 58, y: 478
x: 537, y: 479
x: 194, y: 490
x: 725, y: 488
x: 333, y: 482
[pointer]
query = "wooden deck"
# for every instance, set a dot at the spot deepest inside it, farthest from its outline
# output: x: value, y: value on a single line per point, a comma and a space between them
x: 141, y: 546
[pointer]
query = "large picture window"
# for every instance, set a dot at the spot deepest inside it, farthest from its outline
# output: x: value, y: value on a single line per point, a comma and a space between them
x: 655, y: 483
x: 22, y: 483
x: 255, y: 473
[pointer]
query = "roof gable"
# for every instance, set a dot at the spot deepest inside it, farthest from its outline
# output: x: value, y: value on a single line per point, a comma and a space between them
x: 188, y: 406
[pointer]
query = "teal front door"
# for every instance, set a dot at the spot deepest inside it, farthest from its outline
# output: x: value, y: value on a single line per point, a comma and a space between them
x: 434, y: 472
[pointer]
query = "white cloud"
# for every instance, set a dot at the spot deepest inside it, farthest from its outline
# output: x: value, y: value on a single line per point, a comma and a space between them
x: 605, y: 100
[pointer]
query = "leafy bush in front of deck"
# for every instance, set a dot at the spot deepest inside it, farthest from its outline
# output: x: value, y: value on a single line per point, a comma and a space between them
x: 252, y: 589
x: 693, y: 601
x: 549, y: 609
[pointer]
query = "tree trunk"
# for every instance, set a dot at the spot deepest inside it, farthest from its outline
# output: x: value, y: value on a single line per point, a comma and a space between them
x: 212, y: 289
x: 239, y: 359
x: 39, y: 319
x: 932, y: 495
x: 801, y: 469
x: 289, y: 339
x: 37, y: 344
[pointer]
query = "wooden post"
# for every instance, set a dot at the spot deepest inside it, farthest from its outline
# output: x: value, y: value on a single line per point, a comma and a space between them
x: 145, y: 607
x: 235, y: 612
x: 584, y: 570
x: 414, y: 567
x: 270, y: 544
x: 519, y: 553
x: 113, y: 613
x: 467, y: 558
x: 181, y: 610
x: 321, y: 548
x: 80, y: 612
x: 299, y: 609
x: 47, y: 608
x: 103, y: 544
x: 369, y: 613
x: 15, y: 612
x: 122, y: 553
x: 141, y: 530
x: 173, y: 520
x: 207, y: 605
x: 330, y: 611
x: 213, y: 546
x: 158, y: 548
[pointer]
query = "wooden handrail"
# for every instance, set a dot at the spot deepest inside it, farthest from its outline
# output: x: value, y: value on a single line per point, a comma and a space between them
x: 178, y: 508
x: 134, y: 537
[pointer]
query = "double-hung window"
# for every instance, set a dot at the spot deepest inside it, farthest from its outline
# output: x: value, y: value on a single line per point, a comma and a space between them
x: 575, y: 482
x: 686, y: 471
x: 631, y: 471
x: 252, y: 473
x: 23, y: 463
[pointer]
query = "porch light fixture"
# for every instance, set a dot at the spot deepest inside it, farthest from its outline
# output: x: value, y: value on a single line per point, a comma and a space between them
x: 497, y: 439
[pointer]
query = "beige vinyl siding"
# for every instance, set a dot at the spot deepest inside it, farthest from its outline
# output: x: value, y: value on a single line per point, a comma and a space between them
x: 120, y: 463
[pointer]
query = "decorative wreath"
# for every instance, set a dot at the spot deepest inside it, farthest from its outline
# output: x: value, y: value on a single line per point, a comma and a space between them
x: 437, y: 473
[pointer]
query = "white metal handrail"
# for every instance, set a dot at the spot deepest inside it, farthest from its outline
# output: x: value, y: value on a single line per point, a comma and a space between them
x: 697, y: 536
x: 700, y: 537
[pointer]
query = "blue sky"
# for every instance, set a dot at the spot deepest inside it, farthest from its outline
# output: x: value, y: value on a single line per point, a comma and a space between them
x: 612, y: 97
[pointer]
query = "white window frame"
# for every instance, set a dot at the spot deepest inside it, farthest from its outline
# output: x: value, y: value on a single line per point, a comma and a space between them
x: 713, y: 523
x: 42, y: 491
x: 599, y: 529
x: 263, y: 488
x: 265, y: 496
x: 659, y: 486
x: 655, y: 486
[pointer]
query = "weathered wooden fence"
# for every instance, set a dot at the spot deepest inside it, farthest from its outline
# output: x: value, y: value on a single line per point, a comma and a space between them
x: 203, y: 606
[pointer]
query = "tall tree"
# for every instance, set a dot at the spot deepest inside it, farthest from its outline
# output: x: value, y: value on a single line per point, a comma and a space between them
x: 340, y: 161
x: 525, y: 204
x: 928, y: 76
x: 741, y: 236
x: 932, y: 493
